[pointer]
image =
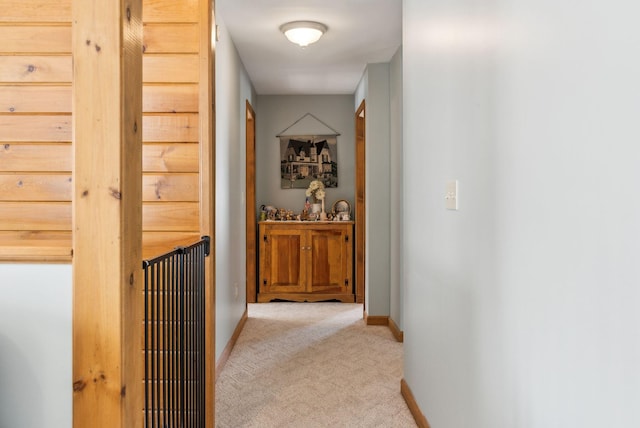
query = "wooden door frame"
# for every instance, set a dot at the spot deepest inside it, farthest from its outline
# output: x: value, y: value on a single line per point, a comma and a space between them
x: 250, y: 192
x: 207, y: 123
x: 360, y: 206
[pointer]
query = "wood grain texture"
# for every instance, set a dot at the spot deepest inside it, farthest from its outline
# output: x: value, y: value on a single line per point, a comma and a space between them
x: 156, y: 243
x: 330, y: 261
x: 168, y: 187
x: 35, y: 131
x: 107, y: 229
x: 36, y: 187
x: 226, y: 352
x: 377, y: 320
x: 37, y: 94
x: 171, y: 11
x: 60, y: 11
x: 41, y: 246
x: 35, y: 99
x: 170, y: 38
x: 35, y: 69
x: 35, y: 216
x: 307, y: 261
x: 419, y: 417
x: 170, y: 157
x: 21, y: 157
x: 170, y: 128
x: 360, y: 216
x: 251, y: 221
x: 305, y: 297
x: 395, y: 330
x: 36, y: 11
x: 165, y: 98
x: 173, y: 28
x: 170, y: 217
x: 49, y: 128
x: 170, y: 68
x: 35, y: 39
x: 207, y: 119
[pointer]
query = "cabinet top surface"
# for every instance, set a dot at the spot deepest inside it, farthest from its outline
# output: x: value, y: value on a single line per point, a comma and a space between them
x: 305, y: 223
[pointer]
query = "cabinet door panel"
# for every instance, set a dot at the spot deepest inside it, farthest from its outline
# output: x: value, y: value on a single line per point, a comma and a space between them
x: 330, y: 262
x: 284, y: 270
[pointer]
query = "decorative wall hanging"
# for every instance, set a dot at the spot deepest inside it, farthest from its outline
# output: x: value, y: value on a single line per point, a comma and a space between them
x: 308, y: 157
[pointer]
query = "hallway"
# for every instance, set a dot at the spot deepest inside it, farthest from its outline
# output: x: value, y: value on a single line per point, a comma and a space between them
x: 312, y: 365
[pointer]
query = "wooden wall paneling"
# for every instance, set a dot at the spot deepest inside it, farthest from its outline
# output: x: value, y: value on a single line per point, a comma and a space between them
x: 36, y: 11
x: 35, y: 68
x: 35, y: 119
x: 170, y: 11
x: 35, y: 99
x: 168, y: 187
x: 36, y: 187
x: 170, y: 38
x: 170, y: 157
x: 37, y: 157
x: 175, y: 216
x: 181, y: 127
x: 170, y: 98
x: 156, y: 243
x: 31, y: 128
x: 171, y: 140
x: 107, y: 229
x: 40, y: 246
x: 53, y: 39
x: 170, y: 68
x: 35, y: 215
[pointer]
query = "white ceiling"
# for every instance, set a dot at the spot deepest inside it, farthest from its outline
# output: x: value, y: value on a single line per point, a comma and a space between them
x: 360, y: 32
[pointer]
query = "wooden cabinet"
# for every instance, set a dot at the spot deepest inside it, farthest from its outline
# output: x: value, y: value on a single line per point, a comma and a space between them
x: 306, y: 261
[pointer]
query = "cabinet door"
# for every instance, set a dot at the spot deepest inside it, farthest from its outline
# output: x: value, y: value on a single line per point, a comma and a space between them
x: 282, y: 268
x: 330, y: 261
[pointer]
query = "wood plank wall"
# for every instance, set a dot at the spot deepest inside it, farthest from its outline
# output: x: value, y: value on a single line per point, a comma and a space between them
x: 170, y: 188
x: 35, y: 128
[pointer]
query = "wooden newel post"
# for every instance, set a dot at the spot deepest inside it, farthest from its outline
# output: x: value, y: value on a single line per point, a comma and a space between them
x: 107, y: 213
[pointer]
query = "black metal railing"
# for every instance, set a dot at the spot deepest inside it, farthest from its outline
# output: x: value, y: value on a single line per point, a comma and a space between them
x: 174, y: 338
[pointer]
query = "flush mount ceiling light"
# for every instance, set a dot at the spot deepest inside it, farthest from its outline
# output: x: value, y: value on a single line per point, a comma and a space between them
x: 303, y: 33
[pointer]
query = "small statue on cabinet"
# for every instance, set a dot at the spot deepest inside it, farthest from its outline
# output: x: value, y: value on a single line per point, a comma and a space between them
x: 304, y: 215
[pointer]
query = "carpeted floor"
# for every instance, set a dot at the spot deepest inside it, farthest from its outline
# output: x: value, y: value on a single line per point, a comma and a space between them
x: 312, y: 365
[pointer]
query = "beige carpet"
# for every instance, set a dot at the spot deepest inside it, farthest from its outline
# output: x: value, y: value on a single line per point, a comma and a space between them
x: 312, y: 365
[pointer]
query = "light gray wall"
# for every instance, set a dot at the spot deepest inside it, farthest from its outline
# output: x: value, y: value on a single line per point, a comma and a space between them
x: 35, y: 346
x: 233, y: 89
x: 276, y: 113
x: 521, y: 308
x: 395, y: 194
x: 374, y: 88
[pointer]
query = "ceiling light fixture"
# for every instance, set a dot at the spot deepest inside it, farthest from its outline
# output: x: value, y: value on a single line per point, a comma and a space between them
x: 303, y: 33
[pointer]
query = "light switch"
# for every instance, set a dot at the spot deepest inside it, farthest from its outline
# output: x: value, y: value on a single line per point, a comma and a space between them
x: 451, y: 195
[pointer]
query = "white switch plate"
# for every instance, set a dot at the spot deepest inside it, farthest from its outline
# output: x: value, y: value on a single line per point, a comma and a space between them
x: 451, y: 195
